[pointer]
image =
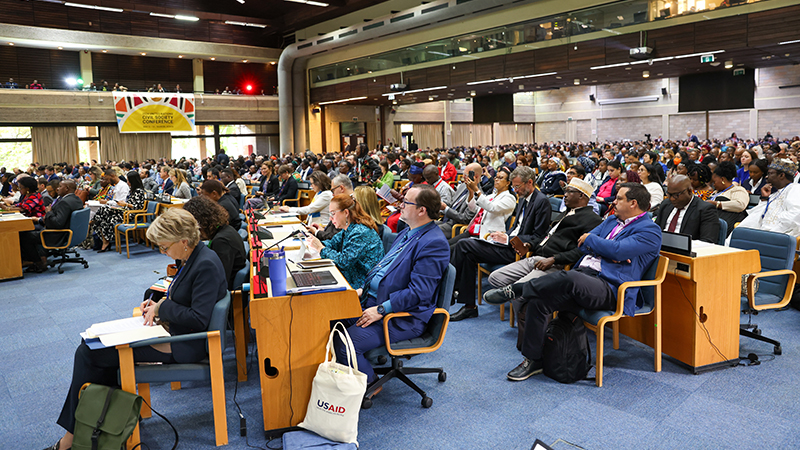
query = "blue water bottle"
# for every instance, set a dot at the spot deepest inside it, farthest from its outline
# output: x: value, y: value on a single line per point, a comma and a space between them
x: 277, y: 272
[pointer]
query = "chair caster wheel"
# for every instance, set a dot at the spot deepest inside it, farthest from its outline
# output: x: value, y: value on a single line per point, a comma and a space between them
x: 443, y: 377
x: 757, y: 331
x: 86, y: 266
x: 366, y: 403
x: 427, y: 402
x: 60, y: 270
x: 777, y: 350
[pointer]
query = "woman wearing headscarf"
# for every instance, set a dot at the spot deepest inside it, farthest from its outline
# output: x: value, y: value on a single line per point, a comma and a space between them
x: 555, y: 173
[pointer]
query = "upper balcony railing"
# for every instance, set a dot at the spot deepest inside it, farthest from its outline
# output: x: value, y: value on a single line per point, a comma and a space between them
x: 607, y: 17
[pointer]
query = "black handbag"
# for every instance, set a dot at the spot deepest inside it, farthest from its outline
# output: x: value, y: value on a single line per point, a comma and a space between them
x: 105, y: 417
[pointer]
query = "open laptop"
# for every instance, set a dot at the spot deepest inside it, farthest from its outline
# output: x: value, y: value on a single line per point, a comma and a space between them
x: 680, y: 244
x: 313, y: 279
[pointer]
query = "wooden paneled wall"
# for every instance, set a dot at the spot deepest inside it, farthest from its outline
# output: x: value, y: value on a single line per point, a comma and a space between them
x: 49, y: 67
x: 56, y: 15
x: 763, y: 29
x: 217, y: 75
x: 137, y: 73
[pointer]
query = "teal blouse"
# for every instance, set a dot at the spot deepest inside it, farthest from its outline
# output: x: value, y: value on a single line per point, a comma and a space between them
x: 355, y: 251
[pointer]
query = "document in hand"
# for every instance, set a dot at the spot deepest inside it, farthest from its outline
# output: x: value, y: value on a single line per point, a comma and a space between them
x: 385, y: 192
x: 121, y: 331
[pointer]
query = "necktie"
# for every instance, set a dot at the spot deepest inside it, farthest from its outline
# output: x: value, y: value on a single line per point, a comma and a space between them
x: 674, y: 222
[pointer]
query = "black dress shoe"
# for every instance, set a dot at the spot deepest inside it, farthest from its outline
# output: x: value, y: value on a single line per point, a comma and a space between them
x: 525, y: 370
x: 57, y: 446
x: 499, y: 296
x: 464, y: 313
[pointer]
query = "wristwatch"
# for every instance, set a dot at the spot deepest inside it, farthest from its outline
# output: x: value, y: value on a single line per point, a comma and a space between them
x: 381, y: 310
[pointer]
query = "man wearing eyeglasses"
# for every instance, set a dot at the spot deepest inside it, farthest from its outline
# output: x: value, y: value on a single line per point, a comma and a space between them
x: 684, y: 213
x: 405, y: 280
x: 779, y: 210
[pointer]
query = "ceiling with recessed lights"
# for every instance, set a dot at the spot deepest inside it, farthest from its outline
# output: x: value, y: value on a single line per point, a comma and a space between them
x: 765, y: 39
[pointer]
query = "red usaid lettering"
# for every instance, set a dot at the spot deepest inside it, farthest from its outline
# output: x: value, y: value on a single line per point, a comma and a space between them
x: 325, y: 406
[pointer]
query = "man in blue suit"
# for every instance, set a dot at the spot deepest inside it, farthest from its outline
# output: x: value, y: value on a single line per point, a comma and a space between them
x: 405, y: 280
x: 619, y: 250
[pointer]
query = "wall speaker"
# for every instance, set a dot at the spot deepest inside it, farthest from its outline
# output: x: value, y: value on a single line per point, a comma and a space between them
x: 591, y: 97
x: 663, y: 91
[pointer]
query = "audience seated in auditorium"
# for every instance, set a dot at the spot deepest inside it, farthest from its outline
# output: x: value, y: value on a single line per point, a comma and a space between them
x: 617, y: 251
x: 758, y: 176
x: 229, y: 181
x: 357, y: 248
x: 222, y: 238
x: 30, y: 201
x: 181, y: 187
x: 187, y: 308
x: 447, y: 171
x: 431, y: 175
x: 685, y: 213
x: 214, y: 190
x: 532, y: 218
x: 317, y: 210
x: 490, y: 211
x: 57, y: 217
x: 405, y: 280
x: 288, y: 189
x: 651, y: 180
x: 368, y: 200
x: 558, y: 248
x: 607, y: 192
x: 779, y: 209
x: 113, y: 212
x: 458, y: 212
x: 729, y: 199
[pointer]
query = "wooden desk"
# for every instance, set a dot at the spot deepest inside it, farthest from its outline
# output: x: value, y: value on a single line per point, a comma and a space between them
x: 699, y: 293
x: 291, y: 333
x: 10, y: 226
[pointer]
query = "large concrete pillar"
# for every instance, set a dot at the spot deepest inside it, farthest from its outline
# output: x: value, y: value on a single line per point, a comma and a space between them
x: 197, y: 71
x: 448, y: 129
x: 85, y: 61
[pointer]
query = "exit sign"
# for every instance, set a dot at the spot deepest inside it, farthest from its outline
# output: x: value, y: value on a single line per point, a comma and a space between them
x: 706, y: 58
x: 737, y: 72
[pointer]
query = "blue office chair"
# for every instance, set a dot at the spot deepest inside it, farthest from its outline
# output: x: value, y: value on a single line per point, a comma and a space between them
x: 134, y: 221
x: 650, y: 287
x: 776, y: 279
x: 388, y: 238
x: 208, y: 370
x: 723, y: 232
x: 429, y: 341
x: 62, y: 242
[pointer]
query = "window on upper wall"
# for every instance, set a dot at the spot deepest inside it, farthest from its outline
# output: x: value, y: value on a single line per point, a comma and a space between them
x: 192, y: 144
x: 16, y: 150
x: 88, y: 144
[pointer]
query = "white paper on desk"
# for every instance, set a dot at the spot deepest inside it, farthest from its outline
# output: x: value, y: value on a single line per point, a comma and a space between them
x: 281, y: 228
x: 94, y: 203
x: 385, y: 192
x: 701, y: 244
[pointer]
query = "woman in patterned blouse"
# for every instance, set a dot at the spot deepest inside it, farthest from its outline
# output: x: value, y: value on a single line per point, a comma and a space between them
x: 357, y: 248
x: 30, y: 201
x: 109, y: 216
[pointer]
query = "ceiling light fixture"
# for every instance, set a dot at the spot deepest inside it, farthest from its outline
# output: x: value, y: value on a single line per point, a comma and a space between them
x: 61, y: 48
x: 729, y: 64
x: 99, y: 8
x: 187, y: 18
x: 213, y: 59
x: 105, y: 51
x: 646, y: 74
x: 342, y: 101
x: 143, y: 54
x: 240, y: 1
x: 576, y: 81
x: 165, y: 16
x: 180, y: 56
x: 789, y: 42
x: 309, y: 2
x: 11, y: 43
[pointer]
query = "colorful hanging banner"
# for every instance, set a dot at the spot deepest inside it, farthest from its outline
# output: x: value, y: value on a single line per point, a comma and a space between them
x: 154, y: 112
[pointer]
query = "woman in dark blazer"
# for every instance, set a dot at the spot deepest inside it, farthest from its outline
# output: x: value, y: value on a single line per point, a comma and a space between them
x: 222, y: 238
x: 187, y: 307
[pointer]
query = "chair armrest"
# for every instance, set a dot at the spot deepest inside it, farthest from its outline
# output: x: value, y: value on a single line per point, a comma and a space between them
x: 142, y: 216
x: 457, y: 229
x: 414, y: 351
x: 661, y: 273
x: 42, y: 234
x: 787, y: 296
x: 173, y: 339
x: 296, y: 199
x: 130, y: 212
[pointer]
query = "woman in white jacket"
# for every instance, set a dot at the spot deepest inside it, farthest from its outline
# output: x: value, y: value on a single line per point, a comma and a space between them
x: 318, y: 209
x: 491, y: 211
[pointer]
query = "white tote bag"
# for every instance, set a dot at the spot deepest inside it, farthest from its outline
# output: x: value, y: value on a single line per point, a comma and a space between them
x: 336, y: 394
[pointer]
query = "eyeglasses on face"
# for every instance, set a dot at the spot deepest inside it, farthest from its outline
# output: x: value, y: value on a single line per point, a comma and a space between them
x: 676, y: 194
x: 403, y: 205
x: 166, y: 249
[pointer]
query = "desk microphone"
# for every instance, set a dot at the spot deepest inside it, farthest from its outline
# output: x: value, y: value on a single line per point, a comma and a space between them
x: 293, y: 233
x: 264, y: 265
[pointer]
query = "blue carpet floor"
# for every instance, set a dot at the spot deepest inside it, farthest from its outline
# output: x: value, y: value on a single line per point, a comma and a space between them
x: 743, y: 407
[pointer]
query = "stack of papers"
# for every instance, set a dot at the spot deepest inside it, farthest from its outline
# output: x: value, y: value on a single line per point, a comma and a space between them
x: 121, y: 331
x: 385, y: 192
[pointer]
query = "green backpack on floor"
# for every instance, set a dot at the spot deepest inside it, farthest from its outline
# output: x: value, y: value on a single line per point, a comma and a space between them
x: 105, y: 417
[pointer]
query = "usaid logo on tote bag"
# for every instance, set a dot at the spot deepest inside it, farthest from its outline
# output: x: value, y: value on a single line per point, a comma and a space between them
x: 329, y: 408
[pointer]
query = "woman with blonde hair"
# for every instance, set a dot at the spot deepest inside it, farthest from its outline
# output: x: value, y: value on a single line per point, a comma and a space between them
x: 356, y: 249
x: 368, y: 200
x: 182, y: 189
x: 186, y: 306
x: 495, y: 161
